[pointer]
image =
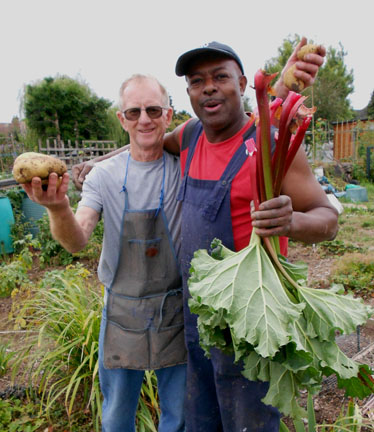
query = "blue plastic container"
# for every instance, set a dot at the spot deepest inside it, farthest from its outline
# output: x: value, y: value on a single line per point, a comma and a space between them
x: 357, y: 194
x: 6, y: 222
x: 32, y: 212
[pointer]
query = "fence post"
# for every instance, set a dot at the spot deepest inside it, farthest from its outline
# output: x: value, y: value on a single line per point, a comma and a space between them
x: 368, y: 151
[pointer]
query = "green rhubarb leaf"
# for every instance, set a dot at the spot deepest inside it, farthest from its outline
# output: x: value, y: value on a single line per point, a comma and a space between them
x: 361, y: 386
x: 283, y: 391
x: 298, y: 271
x: 326, y: 354
x: 256, y: 368
x: 246, y: 285
x: 326, y: 311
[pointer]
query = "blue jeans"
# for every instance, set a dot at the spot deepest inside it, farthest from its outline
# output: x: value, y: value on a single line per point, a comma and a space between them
x: 121, y: 390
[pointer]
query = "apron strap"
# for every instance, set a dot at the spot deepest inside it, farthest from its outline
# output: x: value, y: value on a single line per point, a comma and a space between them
x: 162, y: 193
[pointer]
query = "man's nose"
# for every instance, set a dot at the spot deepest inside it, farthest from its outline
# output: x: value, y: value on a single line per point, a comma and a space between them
x: 210, y: 86
x: 144, y: 117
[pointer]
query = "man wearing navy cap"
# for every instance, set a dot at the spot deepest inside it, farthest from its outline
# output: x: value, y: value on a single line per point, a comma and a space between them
x: 216, y: 195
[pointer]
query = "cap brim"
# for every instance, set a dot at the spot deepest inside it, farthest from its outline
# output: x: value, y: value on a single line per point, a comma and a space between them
x: 181, y: 68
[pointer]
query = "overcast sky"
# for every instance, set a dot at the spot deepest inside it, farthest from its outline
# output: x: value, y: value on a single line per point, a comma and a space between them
x: 104, y: 42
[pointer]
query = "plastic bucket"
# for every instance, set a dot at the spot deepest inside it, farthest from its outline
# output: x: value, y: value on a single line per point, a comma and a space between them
x: 6, y: 222
x: 32, y: 212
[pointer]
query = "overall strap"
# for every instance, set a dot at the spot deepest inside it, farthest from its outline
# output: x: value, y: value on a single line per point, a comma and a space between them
x: 223, y: 185
x: 191, y: 134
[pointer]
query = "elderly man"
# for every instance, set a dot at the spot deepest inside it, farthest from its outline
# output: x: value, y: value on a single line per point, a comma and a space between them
x: 142, y: 324
x: 216, y: 195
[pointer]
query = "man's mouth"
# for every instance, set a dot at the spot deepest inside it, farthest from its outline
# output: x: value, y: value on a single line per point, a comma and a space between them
x: 146, y: 131
x: 212, y: 105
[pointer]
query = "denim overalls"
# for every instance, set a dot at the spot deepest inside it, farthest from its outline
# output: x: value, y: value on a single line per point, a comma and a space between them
x: 218, y: 397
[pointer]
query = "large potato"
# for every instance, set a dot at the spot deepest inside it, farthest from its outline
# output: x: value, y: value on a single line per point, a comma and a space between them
x: 293, y: 83
x: 30, y: 164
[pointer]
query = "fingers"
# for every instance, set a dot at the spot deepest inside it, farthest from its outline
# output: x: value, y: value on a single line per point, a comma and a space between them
x: 80, y: 172
x: 274, y: 217
x: 51, y: 197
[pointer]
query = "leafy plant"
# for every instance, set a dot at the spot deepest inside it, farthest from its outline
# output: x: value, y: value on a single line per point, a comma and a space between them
x: 14, y: 273
x: 337, y: 247
x: 66, y: 314
x: 349, y: 420
x: 16, y: 415
x: 355, y: 271
x: 62, y: 357
x: 5, y: 356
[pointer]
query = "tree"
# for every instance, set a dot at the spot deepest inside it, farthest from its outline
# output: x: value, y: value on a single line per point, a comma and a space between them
x: 370, y: 108
x: 179, y: 117
x: 64, y: 108
x: 332, y: 87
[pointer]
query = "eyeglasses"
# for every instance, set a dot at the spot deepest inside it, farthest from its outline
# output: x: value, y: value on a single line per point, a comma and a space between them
x: 153, y: 112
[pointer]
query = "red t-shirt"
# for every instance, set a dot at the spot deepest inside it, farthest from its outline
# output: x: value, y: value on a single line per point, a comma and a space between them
x: 209, y: 162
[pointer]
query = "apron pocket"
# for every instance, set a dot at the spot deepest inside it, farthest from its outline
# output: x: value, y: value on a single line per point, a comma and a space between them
x: 172, y: 311
x: 125, y: 349
x: 134, y: 314
x: 167, y: 347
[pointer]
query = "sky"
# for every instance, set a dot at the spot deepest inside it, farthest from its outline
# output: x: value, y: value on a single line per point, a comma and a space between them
x: 104, y: 42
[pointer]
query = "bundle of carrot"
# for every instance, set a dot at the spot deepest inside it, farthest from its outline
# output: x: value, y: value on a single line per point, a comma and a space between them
x: 281, y: 330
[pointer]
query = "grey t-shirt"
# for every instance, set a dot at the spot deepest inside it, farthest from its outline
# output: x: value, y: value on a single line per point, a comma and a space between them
x: 102, y: 191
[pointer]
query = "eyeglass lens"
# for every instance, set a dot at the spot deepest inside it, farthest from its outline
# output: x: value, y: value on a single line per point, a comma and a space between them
x: 153, y: 112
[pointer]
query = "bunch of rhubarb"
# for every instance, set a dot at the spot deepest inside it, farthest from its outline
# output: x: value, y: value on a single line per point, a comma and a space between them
x: 281, y: 331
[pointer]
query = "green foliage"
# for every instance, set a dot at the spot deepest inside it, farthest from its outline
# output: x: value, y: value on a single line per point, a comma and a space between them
x: 337, y: 247
x: 355, y: 271
x: 292, y: 345
x: 52, y: 253
x: 179, y: 117
x: 65, y: 108
x: 16, y: 415
x: 6, y: 355
x: 65, y: 312
x: 62, y: 356
x: 332, y: 87
x: 14, y: 273
x: 370, y: 107
x: 349, y: 420
x: 116, y: 131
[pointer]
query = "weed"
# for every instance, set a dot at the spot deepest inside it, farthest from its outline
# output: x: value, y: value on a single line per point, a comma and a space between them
x: 337, y: 247
x: 5, y: 357
x: 355, y: 271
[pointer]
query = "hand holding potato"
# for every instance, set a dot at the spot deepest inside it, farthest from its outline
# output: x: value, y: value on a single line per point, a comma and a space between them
x: 54, y: 197
x: 44, y: 178
x: 301, y: 69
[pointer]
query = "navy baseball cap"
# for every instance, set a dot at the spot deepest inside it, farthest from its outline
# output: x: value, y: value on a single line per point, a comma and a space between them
x: 185, y: 59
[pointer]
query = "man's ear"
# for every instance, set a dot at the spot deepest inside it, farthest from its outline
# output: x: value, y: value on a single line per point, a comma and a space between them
x: 121, y: 119
x: 188, y: 91
x: 242, y: 84
x: 169, y: 116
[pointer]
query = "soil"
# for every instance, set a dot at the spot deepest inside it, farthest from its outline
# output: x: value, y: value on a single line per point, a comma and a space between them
x: 329, y: 402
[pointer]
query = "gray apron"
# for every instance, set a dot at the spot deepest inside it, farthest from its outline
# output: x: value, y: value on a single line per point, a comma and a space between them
x: 144, y: 312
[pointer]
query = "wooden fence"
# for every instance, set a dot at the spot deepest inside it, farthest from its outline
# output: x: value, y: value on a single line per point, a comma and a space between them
x: 73, y: 152
x: 9, y: 150
x: 352, y: 138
